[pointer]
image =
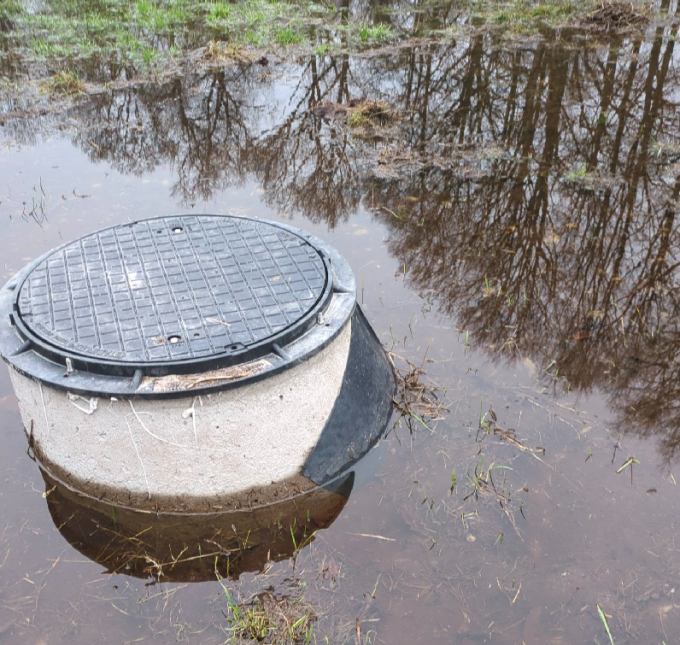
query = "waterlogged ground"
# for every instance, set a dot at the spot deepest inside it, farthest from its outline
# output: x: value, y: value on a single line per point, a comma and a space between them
x: 510, y: 211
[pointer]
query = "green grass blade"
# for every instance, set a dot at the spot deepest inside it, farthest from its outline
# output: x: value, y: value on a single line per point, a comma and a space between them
x: 606, y: 624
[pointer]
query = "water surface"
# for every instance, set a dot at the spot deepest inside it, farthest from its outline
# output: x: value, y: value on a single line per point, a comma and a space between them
x: 513, y: 218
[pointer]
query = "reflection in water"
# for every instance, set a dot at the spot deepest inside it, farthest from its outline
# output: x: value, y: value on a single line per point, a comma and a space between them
x: 560, y: 246
x: 532, y: 191
x: 190, y: 548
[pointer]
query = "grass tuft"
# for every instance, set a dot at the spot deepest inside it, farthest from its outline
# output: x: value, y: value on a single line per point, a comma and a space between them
x: 579, y: 176
x: 523, y: 14
x: 219, y: 12
x: 65, y: 83
x: 363, y: 113
x: 374, y: 33
x: 10, y: 8
x: 287, y: 36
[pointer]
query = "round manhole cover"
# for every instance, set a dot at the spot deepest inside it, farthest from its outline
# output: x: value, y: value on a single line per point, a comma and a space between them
x: 193, y: 289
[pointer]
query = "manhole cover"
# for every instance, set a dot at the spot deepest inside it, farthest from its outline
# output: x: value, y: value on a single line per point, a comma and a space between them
x: 174, y: 290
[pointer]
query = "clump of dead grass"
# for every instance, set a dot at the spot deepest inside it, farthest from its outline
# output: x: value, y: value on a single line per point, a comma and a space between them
x: 358, y: 113
x: 218, y: 51
x: 65, y: 83
x: 418, y: 398
x: 363, y: 112
x: 268, y: 619
x: 615, y: 16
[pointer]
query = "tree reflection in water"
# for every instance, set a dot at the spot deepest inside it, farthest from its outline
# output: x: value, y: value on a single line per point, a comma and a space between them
x: 538, y: 206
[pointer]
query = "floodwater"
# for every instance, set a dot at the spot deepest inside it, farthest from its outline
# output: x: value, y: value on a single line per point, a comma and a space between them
x: 513, y: 221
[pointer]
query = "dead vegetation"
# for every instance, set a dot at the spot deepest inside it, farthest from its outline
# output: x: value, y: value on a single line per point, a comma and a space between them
x: 357, y: 113
x: 615, y: 16
x: 363, y: 112
x: 65, y: 83
x: 418, y: 397
x: 467, y: 160
x: 218, y: 51
x: 488, y: 424
x: 480, y: 482
x: 270, y: 619
x: 393, y: 161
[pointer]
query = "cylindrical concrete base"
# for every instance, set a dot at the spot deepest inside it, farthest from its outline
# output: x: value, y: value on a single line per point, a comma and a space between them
x: 194, y: 363
x: 237, y: 448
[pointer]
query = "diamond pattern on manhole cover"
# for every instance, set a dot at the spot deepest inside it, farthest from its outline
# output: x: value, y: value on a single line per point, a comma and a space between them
x: 172, y: 289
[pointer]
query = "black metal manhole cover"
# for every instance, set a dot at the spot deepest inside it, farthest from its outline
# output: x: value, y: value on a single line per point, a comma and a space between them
x: 172, y: 290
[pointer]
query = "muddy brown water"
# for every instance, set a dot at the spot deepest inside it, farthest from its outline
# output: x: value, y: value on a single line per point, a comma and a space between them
x: 516, y: 215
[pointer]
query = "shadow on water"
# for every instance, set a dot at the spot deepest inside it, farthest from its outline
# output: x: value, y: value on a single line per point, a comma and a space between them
x: 526, y: 198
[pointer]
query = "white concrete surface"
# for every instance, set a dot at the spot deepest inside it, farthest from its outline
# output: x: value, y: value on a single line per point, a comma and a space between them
x: 239, y: 447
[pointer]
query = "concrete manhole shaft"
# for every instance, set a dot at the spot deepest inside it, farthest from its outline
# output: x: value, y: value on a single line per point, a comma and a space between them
x: 194, y: 363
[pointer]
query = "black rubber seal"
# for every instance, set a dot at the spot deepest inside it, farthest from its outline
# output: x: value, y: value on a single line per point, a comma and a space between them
x: 362, y: 410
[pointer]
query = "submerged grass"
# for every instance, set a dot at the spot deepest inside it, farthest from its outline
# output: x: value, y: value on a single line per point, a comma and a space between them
x: 577, y: 175
x: 269, y: 619
x: 273, y: 621
x: 418, y: 398
x: 9, y: 8
x: 606, y: 624
x: 287, y: 36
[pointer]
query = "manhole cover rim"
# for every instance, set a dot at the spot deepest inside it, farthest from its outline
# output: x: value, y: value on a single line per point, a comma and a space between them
x: 98, y: 365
